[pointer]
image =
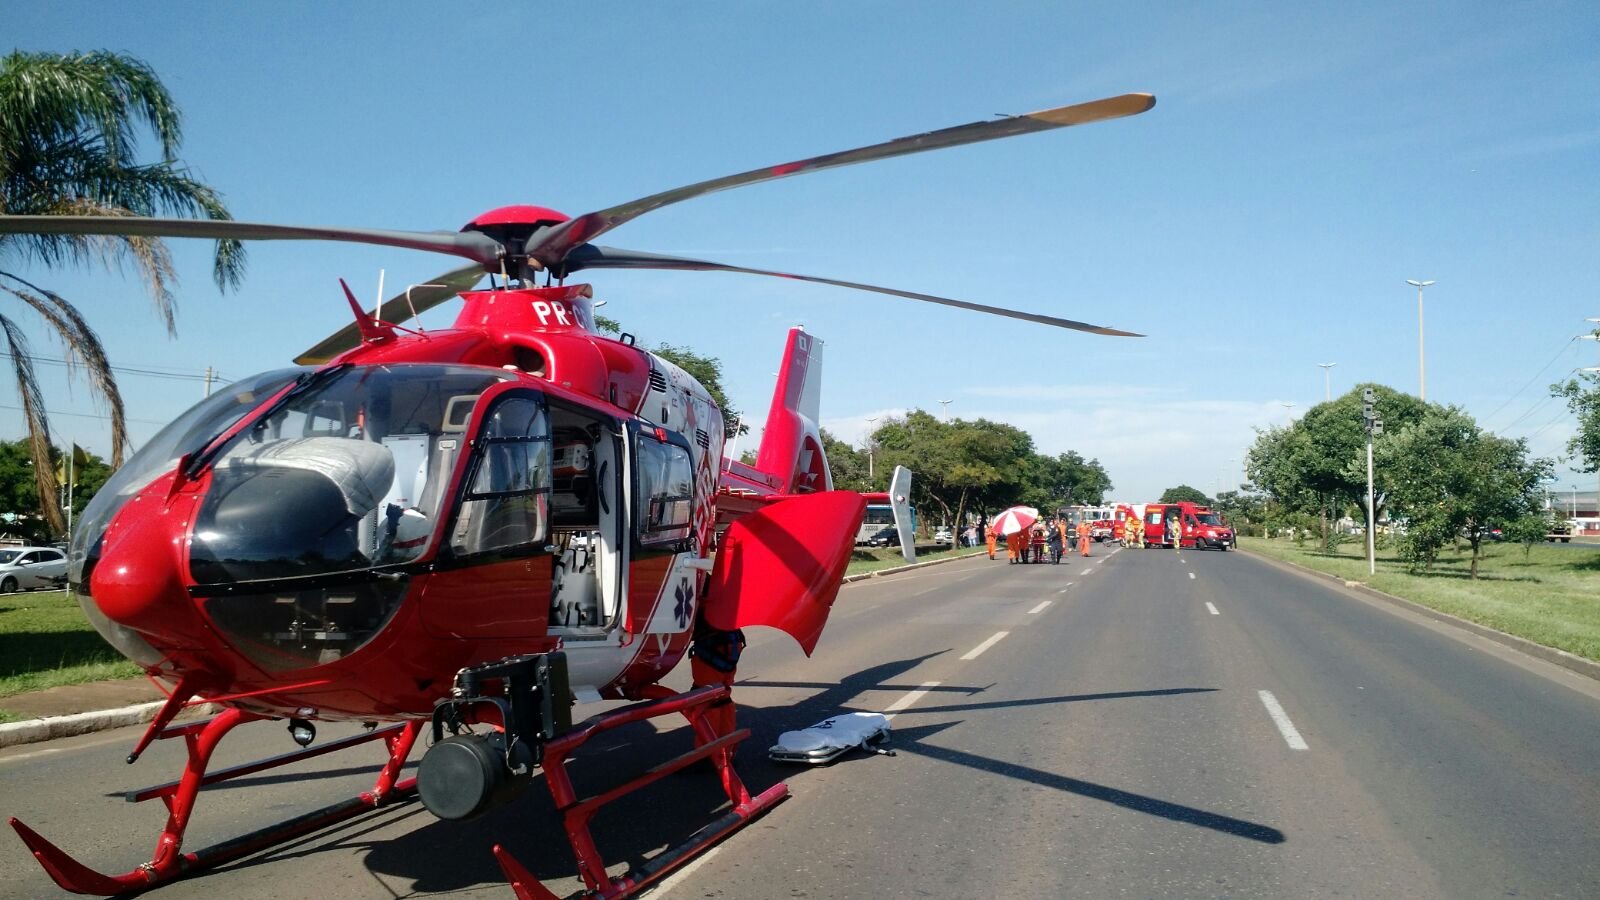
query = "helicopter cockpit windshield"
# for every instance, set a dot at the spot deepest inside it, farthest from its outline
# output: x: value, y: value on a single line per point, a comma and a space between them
x: 345, y: 475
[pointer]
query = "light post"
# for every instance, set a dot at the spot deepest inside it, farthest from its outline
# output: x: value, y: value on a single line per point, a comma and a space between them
x: 946, y: 404
x: 870, y: 420
x: 1422, y: 369
x: 1290, y: 408
x: 1327, y: 386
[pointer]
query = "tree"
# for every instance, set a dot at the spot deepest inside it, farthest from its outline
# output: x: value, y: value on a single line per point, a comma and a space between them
x: 1066, y: 478
x: 1450, y: 478
x: 1184, y: 493
x: 708, y: 371
x: 1583, y: 398
x: 1318, y: 464
x: 69, y: 129
x: 848, y: 466
x: 19, y: 493
x: 955, y: 463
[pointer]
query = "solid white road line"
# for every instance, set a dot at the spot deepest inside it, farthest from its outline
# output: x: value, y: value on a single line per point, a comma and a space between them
x: 1191, y: 576
x: 1040, y: 608
x: 1281, y: 719
x: 895, y: 707
x: 977, y: 651
x: 1212, y: 609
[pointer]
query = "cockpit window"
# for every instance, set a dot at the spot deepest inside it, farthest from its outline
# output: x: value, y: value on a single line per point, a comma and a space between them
x: 506, y: 504
x: 347, y: 475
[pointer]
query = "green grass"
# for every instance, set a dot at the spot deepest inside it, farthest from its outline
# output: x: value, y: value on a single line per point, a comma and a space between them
x: 872, y: 559
x: 45, y: 642
x: 1550, y: 596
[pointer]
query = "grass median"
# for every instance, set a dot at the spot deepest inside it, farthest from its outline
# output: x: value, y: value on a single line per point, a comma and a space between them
x: 1549, y: 595
x: 46, y: 642
x: 871, y: 559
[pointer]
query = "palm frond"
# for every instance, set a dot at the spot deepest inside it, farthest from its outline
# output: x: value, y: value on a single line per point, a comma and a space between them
x: 83, y: 347
x: 44, y: 472
x: 48, y: 95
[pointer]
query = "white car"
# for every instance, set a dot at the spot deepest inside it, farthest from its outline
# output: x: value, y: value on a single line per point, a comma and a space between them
x: 942, y: 536
x: 25, y: 568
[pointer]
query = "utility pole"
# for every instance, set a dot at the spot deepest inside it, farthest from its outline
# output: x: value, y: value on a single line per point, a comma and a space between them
x: 1374, y: 427
x: 209, y: 374
x: 1327, y: 386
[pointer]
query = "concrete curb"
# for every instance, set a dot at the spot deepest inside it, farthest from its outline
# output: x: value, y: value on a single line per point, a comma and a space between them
x: 51, y: 727
x: 1570, y: 661
x: 849, y: 579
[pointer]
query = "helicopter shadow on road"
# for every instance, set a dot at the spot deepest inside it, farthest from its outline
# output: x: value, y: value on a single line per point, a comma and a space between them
x: 834, y: 698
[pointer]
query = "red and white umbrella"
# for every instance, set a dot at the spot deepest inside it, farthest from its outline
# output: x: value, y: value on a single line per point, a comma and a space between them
x: 1015, y: 519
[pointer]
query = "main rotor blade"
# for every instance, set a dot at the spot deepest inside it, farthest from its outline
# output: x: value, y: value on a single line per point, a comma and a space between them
x: 590, y: 256
x: 396, y: 309
x: 552, y: 246
x: 472, y: 245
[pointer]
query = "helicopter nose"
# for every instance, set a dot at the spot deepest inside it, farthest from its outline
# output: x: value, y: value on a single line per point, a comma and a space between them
x: 138, y: 581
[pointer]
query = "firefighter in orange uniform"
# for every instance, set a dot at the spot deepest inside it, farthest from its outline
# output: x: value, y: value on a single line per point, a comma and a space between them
x: 1083, y: 536
x: 993, y: 539
x: 1014, y: 545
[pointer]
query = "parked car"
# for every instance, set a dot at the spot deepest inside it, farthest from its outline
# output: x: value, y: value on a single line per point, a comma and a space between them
x: 26, y: 568
x: 1560, y: 531
x: 942, y: 536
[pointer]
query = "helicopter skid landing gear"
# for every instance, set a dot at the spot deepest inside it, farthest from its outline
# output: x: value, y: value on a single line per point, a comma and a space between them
x: 576, y: 813
x: 201, y: 738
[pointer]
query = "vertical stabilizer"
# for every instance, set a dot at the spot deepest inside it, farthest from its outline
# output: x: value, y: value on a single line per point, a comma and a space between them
x: 791, y: 447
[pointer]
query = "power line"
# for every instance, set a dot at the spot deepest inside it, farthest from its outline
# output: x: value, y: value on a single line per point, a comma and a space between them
x: 1564, y: 348
x: 101, y: 417
x: 173, y: 374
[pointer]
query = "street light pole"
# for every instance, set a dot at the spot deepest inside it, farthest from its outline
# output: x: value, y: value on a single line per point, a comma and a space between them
x: 1327, y: 386
x: 946, y: 404
x: 1422, y: 369
x: 870, y: 420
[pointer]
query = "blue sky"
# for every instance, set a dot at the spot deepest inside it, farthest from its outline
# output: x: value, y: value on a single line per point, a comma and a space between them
x: 1263, y: 218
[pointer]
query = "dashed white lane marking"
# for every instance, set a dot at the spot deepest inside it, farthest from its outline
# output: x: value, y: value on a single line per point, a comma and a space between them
x: 1212, y: 609
x: 1040, y: 608
x: 1281, y: 719
x: 1064, y: 590
x: 895, y: 707
x: 1191, y: 575
x: 678, y: 877
x: 977, y: 651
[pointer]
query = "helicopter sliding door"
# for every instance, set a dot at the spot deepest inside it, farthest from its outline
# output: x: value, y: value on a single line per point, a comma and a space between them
x: 586, y: 517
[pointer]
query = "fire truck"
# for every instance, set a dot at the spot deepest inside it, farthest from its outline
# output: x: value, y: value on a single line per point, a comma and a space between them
x: 1100, y: 519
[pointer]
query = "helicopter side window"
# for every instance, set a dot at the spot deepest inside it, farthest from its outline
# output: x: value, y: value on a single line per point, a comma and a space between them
x: 665, y: 494
x: 507, y: 501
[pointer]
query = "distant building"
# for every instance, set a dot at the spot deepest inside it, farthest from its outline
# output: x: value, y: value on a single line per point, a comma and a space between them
x: 1579, y: 506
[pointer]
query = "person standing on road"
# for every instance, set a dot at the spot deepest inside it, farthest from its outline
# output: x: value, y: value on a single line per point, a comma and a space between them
x: 1052, y: 541
x: 1175, y: 531
x: 1083, y: 537
x: 993, y: 538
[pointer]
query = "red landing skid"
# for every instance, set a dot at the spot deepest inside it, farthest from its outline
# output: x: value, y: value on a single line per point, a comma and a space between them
x: 168, y: 863
x: 201, y: 738
x: 576, y: 813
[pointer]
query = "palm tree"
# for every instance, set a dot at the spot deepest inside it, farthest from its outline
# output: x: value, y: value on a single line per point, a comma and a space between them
x: 69, y: 125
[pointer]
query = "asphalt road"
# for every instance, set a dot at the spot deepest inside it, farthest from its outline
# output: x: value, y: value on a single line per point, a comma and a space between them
x: 1150, y: 724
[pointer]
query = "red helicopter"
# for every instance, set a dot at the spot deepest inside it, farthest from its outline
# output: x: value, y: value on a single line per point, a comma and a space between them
x: 466, y: 532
